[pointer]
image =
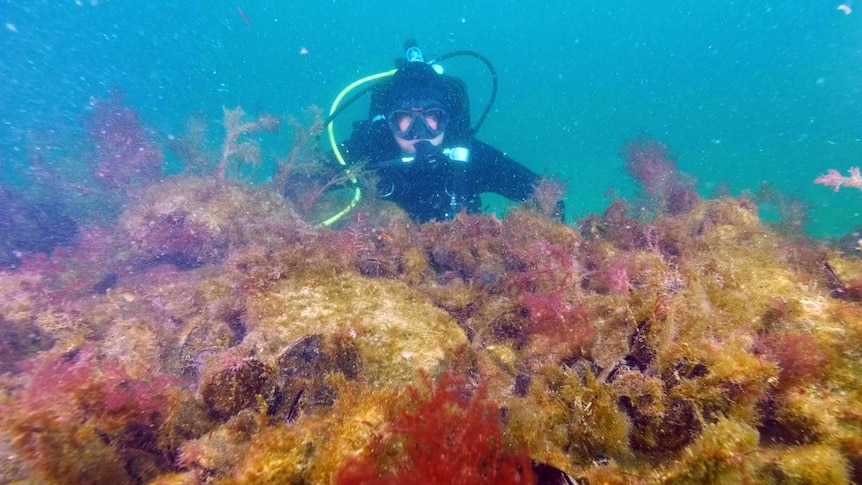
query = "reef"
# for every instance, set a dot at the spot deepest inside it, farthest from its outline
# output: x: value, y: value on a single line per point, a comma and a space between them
x: 213, y: 334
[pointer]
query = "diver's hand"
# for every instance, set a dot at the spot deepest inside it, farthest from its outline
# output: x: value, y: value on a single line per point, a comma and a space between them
x: 427, y: 153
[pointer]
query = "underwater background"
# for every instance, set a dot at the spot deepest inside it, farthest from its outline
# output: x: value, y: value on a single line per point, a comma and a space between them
x: 745, y: 92
x: 173, y: 312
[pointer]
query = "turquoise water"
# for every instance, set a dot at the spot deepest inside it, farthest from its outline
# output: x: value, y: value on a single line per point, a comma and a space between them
x: 744, y: 92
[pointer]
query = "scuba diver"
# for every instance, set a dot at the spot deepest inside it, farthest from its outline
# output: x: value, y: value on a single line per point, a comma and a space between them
x: 419, y: 141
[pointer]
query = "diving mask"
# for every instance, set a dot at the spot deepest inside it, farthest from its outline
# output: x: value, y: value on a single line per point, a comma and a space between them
x: 418, y: 123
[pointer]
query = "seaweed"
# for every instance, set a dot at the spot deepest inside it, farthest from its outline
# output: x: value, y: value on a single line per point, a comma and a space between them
x: 450, y: 436
x: 210, y: 333
x: 81, y: 419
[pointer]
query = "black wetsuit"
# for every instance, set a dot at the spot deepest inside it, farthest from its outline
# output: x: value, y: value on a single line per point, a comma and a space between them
x: 433, y: 185
x: 425, y: 188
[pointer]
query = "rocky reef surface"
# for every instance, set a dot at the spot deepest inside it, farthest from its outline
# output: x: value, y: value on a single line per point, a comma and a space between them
x: 212, y: 336
x: 198, y: 329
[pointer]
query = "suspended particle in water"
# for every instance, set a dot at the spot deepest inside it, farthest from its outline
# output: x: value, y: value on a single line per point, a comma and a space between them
x: 244, y: 18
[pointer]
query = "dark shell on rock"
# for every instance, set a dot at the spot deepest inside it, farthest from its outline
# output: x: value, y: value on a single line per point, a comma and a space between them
x: 673, y: 431
x: 303, y: 359
x: 641, y: 352
x: 236, y: 387
x: 304, y: 365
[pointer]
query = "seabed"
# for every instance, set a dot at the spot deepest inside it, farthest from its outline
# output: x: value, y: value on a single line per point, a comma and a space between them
x: 212, y: 334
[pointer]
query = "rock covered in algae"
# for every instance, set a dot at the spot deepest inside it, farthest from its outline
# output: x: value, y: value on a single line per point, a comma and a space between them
x: 379, y: 328
x: 700, y: 348
x: 199, y: 220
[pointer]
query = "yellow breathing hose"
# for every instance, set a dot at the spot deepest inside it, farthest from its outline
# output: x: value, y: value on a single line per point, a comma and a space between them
x: 357, y: 192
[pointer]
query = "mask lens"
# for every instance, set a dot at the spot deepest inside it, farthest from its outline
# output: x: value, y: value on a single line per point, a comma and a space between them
x: 400, y: 122
x: 403, y: 122
x: 436, y: 120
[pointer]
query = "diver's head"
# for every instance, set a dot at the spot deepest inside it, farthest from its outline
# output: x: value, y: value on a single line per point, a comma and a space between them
x: 418, y: 106
x: 415, y: 121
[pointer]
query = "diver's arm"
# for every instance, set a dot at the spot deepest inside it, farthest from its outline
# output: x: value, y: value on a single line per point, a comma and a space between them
x: 494, y: 171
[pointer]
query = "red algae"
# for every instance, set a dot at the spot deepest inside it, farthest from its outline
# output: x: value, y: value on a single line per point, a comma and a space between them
x: 798, y: 356
x: 650, y: 162
x: 125, y: 156
x: 77, y: 418
x: 447, y: 438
